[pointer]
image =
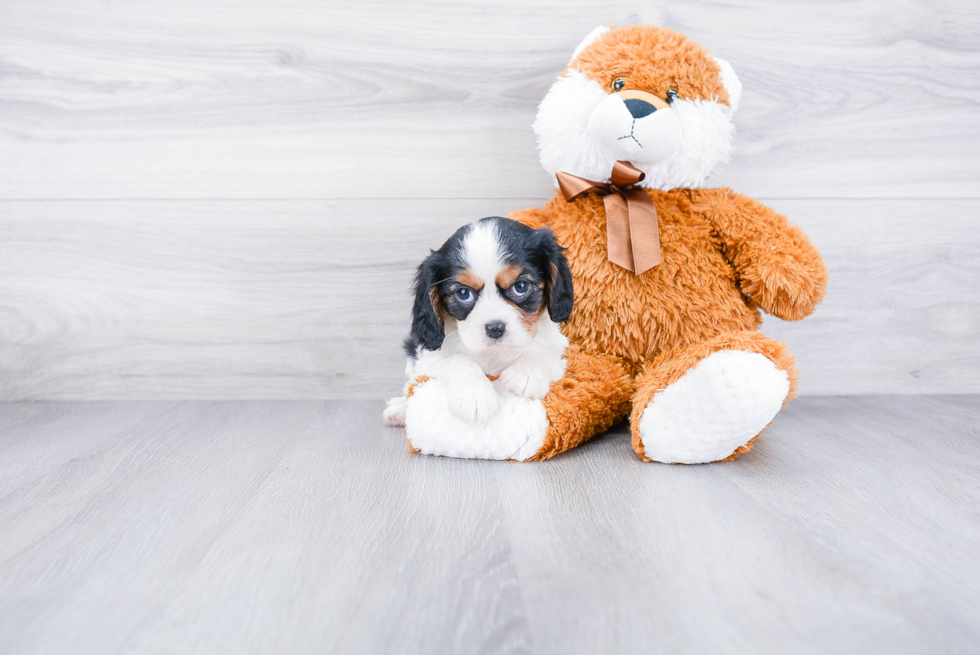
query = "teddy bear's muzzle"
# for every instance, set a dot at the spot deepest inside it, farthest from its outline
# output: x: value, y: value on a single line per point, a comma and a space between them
x: 635, y: 126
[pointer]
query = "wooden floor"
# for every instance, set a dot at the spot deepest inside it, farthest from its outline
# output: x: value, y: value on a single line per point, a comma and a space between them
x: 302, y: 526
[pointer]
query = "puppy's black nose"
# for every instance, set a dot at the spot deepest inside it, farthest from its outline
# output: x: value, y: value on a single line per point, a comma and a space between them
x: 639, y: 108
x: 495, y: 329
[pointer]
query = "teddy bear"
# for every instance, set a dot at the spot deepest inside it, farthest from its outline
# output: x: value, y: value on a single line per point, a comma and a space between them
x: 669, y: 275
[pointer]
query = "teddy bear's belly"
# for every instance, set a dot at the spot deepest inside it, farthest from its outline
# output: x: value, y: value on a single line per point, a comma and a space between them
x: 690, y: 297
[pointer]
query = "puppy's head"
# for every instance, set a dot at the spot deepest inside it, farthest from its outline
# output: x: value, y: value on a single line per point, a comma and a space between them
x: 494, y: 280
x: 642, y: 94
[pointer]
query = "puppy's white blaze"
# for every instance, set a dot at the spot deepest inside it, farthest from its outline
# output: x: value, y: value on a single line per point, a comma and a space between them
x: 481, y: 251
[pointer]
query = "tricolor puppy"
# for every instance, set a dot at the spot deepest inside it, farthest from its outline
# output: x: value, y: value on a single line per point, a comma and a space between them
x: 488, y: 303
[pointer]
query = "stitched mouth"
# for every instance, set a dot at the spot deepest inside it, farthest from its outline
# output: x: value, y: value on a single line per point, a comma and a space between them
x: 630, y: 135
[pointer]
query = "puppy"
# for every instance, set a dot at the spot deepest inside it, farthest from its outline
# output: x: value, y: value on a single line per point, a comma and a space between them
x: 489, y: 303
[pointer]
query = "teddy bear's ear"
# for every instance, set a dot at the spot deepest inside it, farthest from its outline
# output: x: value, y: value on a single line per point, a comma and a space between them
x: 732, y: 84
x: 591, y: 38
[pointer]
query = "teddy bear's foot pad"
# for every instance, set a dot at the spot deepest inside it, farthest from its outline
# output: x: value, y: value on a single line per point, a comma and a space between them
x: 516, y: 431
x: 719, y: 405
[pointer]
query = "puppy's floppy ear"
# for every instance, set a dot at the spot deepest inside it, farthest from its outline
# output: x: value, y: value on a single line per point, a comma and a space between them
x: 427, y: 326
x: 560, y: 295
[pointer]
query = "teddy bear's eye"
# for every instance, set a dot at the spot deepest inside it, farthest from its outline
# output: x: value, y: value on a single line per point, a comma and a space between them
x: 618, y: 84
x: 671, y: 96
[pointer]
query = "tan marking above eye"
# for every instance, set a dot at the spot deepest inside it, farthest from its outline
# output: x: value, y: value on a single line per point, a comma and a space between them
x: 508, y: 275
x: 469, y: 279
x: 635, y: 94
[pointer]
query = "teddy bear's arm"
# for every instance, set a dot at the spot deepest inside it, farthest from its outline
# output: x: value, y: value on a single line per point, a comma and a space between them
x: 776, y: 264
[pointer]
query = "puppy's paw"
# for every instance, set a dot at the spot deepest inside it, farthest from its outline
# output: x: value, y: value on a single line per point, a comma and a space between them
x: 394, y: 414
x: 526, y: 381
x: 473, y: 401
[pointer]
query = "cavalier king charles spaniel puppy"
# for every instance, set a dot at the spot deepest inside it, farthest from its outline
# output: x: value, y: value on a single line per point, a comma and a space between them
x: 488, y: 305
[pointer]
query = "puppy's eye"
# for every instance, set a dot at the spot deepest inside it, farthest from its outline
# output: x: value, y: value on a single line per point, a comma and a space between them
x: 618, y: 84
x: 520, y: 288
x: 464, y: 295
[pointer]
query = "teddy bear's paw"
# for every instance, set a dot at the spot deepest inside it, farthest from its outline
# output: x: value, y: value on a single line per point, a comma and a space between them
x: 784, y: 287
x: 473, y: 402
x: 525, y: 381
x: 516, y: 431
x: 718, y: 406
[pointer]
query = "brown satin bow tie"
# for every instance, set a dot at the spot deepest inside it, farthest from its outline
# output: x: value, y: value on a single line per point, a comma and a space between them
x: 632, y: 233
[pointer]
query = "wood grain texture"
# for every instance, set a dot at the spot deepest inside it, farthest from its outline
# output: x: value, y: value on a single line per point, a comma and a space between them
x: 822, y: 539
x: 157, y: 537
x: 310, y: 299
x: 375, y: 128
x: 301, y: 99
x: 301, y: 527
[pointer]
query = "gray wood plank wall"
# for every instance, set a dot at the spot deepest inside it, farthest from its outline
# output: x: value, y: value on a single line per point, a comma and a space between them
x: 218, y: 199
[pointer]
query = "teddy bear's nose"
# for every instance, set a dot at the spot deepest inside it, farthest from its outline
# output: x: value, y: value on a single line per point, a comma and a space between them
x: 639, y: 108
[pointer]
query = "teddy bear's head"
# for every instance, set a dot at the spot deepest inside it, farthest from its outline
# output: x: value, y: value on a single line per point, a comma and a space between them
x: 642, y: 94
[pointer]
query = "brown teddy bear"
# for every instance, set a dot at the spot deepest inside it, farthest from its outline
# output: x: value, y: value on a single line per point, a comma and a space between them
x: 669, y: 276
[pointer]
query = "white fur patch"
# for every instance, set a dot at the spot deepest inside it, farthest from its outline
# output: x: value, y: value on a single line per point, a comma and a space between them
x: 516, y: 431
x: 562, y: 127
x: 717, y: 406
